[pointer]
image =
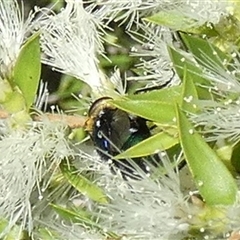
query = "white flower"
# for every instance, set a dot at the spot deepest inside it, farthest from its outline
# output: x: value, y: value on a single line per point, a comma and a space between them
x: 155, y: 62
x: 27, y: 158
x: 220, y: 118
x: 134, y: 10
x: 71, y: 41
x: 145, y: 209
x: 207, y: 11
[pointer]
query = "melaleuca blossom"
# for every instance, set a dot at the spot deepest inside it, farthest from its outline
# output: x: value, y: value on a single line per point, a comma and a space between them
x: 134, y: 10
x: 28, y: 157
x: 147, y: 209
x: 71, y: 41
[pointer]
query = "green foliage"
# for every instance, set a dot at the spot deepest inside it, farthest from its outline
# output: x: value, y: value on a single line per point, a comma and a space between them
x: 205, y: 53
x: 223, y: 34
x: 84, y: 218
x: 82, y: 184
x: 184, y: 66
x: 173, y: 19
x: 189, y: 93
x: 27, y: 69
x: 158, y: 142
x: 14, y: 102
x: 163, y: 95
x: 157, y: 111
x: 212, y: 178
x: 72, y: 94
x: 78, y: 215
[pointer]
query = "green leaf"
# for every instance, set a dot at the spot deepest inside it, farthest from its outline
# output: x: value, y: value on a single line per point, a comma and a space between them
x: 189, y: 93
x: 173, y: 19
x: 214, y: 181
x: 159, y: 112
x: 179, y: 21
x: 28, y: 68
x: 70, y: 85
x: 181, y: 64
x: 161, y: 95
x: 67, y: 93
x: 205, y: 53
x: 79, y: 216
x: 82, y: 184
x: 82, y: 217
x: 151, y: 145
x: 123, y: 61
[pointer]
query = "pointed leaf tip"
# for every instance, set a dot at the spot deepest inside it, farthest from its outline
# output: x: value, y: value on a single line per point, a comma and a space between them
x: 214, y: 181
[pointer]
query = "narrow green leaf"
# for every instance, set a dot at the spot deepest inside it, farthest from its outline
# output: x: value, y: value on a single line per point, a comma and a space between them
x: 179, y: 21
x: 161, y: 95
x: 82, y: 184
x: 160, y: 112
x: 79, y: 216
x: 180, y: 63
x: 151, y: 145
x: 205, y: 53
x: 211, y: 176
x: 82, y: 217
x: 189, y: 93
x: 173, y: 19
x: 28, y: 68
